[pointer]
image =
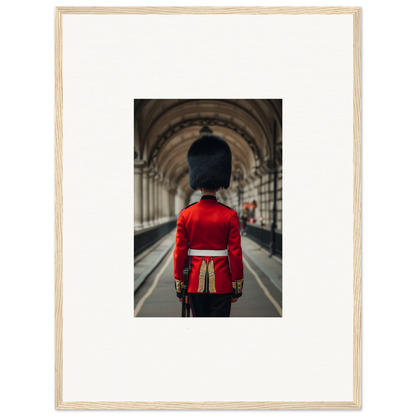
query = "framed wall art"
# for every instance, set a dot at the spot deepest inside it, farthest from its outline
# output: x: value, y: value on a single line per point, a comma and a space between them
x: 133, y: 85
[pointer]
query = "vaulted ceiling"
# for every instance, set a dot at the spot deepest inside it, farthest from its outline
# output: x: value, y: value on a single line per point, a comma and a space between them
x: 165, y: 129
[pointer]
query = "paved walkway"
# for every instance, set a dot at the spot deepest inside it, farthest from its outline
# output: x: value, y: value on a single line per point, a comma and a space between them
x: 271, y: 266
x: 262, y: 297
x: 151, y: 258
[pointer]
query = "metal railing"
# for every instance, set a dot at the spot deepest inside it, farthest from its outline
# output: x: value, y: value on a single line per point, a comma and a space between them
x: 263, y: 237
x: 145, y: 238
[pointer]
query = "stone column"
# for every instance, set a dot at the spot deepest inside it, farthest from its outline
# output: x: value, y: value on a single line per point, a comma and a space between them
x: 145, y: 190
x: 159, y: 199
x: 179, y: 204
x: 138, y: 194
x: 151, y: 197
x: 155, y: 201
x: 171, y: 202
x: 165, y: 200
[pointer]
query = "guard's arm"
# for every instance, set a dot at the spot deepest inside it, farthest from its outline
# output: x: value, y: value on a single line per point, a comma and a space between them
x: 235, y: 256
x: 180, y: 254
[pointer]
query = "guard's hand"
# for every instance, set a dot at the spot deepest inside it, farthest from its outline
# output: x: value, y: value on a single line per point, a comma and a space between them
x: 234, y: 300
x: 180, y: 300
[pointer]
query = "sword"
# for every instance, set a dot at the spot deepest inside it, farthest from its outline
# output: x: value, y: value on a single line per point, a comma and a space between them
x: 185, y: 296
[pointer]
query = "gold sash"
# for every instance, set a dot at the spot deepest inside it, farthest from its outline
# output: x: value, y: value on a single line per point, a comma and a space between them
x: 202, y: 271
x: 211, y: 273
x: 211, y: 276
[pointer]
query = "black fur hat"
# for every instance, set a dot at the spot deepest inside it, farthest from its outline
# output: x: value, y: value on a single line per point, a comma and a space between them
x: 209, y: 160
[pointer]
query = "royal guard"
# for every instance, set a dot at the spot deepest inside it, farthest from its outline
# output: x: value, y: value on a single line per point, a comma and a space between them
x: 208, y: 260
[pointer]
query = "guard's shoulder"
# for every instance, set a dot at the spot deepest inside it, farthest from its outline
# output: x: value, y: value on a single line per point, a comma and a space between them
x: 193, y: 203
x: 232, y: 209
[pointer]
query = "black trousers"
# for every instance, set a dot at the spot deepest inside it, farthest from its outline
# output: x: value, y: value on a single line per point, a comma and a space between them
x: 204, y: 305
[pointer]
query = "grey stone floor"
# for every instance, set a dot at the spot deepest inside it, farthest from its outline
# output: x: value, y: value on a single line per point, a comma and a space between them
x: 160, y: 297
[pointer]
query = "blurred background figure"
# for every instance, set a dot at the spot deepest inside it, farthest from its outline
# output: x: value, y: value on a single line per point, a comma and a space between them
x: 244, y: 218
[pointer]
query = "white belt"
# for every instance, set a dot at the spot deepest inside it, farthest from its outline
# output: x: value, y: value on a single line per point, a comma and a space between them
x: 208, y: 253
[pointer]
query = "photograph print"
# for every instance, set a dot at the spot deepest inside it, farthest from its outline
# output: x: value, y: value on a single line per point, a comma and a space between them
x: 208, y: 208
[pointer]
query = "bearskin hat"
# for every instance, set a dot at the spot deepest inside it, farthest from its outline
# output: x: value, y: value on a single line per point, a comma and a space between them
x: 209, y: 160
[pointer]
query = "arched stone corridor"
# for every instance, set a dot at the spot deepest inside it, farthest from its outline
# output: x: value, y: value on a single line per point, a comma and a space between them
x: 163, y: 133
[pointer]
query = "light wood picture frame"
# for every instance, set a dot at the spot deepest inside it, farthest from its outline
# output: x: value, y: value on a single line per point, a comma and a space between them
x: 60, y: 12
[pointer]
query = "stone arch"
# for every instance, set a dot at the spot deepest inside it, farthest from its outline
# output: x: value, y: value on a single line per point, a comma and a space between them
x: 164, y: 130
x: 162, y: 118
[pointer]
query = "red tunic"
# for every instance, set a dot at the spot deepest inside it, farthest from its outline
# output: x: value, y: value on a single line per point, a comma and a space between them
x: 209, y: 225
